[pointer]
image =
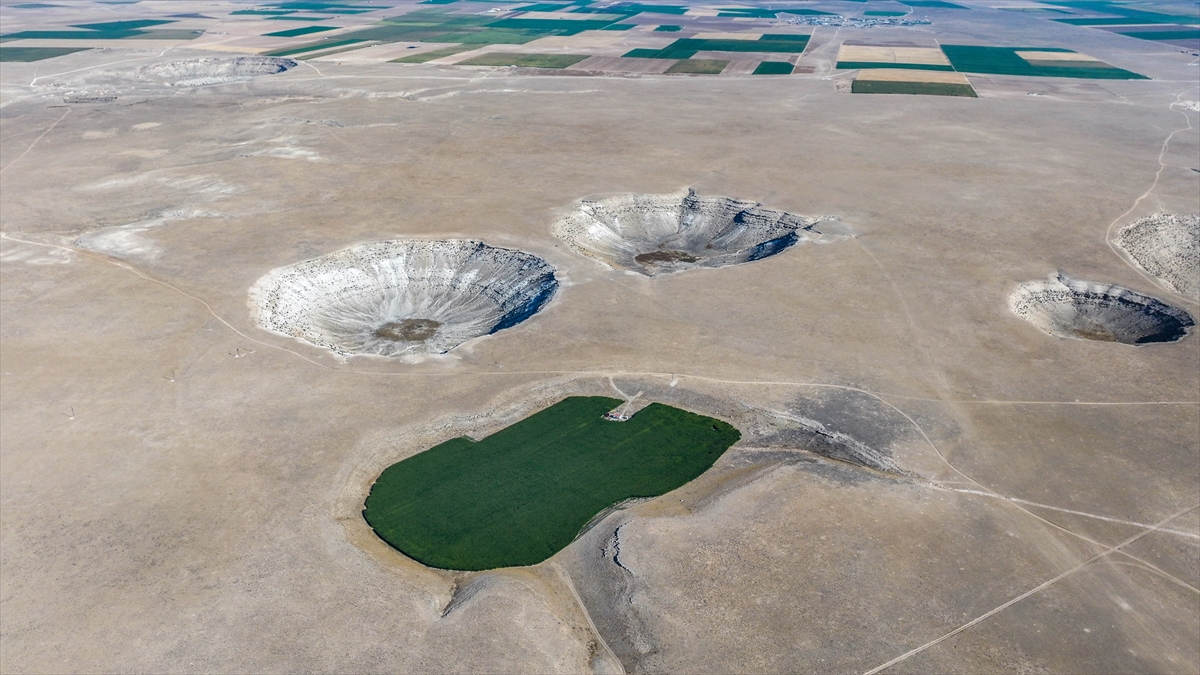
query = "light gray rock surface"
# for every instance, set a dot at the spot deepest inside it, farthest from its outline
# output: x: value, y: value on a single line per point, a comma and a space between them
x: 1073, y: 308
x: 1167, y: 246
x: 393, y: 298
x: 657, y: 234
x: 199, y: 72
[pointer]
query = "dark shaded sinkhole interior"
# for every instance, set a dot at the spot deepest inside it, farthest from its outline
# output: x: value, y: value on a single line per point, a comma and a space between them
x: 408, y: 330
x: 665, y: 257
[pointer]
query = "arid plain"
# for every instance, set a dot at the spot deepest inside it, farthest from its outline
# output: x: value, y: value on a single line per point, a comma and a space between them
x: 181, y: 489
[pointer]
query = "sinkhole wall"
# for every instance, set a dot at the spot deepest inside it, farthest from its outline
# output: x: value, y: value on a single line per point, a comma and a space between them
x: 394, y: 298
x: 656, y: 234
x: 199, y: 72
x: 1073, y: 308
x: 1167, y: 246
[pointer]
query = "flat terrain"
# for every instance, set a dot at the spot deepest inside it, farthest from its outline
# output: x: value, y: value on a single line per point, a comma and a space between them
x: 181, y: 491
x: 522, y: 494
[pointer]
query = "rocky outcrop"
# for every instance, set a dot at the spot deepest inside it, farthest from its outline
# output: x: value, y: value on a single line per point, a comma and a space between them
x: 657, y: 234
x: 1071, y: 308
x: 393, y: 298
x: 1166, y: 246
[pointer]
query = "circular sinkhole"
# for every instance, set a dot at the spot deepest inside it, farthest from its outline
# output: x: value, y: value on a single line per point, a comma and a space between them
x: 1167, y: 246
x: 200, y: 72
x: 1072, y: 308
x: 394, y: 298
x: 658, y: 234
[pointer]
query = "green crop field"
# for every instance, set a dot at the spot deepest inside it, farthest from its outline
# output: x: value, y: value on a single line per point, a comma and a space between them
x: 522, y: 494
x: 698, y: 66
x: 312, y: 47
x: 525, y: 60
x: 921, y: 88
x: 297, y: 32
x: 435, y: 54
x: 26, y: 54
x: 686, y: 48
x: 1004, y: 61
x: 774, y: 68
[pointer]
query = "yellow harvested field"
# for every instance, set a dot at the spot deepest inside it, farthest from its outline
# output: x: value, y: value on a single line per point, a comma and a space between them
x: 728, y: 36
x: 592, y: 39
x: 904, y: 75
x: 1056, y: 56
x: 930, y: 56
x: 701, y: 12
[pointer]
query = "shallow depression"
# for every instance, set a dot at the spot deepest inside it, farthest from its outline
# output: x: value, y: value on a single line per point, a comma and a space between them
x: 657, y: 234
x: 1167, y: 245
x: 1066, y: 307
x: 394, y: 298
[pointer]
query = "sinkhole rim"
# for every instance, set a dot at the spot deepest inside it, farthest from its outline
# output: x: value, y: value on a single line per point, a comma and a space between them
x: 402, y: 297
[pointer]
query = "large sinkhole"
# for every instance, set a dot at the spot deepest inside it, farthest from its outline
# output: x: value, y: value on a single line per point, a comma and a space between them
x: 1167, y: 245
x: 394, y: 298
x: 656, y: 234
x: 1072, y: 308
x: 199, y: 72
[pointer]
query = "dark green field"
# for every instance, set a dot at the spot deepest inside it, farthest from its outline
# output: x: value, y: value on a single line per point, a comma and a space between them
x: 922, y: 88
x: 522, y: 494
x: 698, y: 66
x: 525, y: 60
x: 297, y: 32
x: 686, y: 48
x: 27, y: 54
x: 774, y: 68
x: 1004, y: 61
x: 312, y: 47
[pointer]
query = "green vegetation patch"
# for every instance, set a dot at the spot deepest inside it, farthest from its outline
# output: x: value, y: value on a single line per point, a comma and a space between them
x: 774, y: 68
x: 27, y: 54
x: 524, y: 60
x: 121, y: 26
x: 698, y: 66
x: 667, y: 28
x: 856, y: 65
x: 524, y: 493
x: 558, y: 26
x: 922, y: 88
x: 748, y: 12
x: 435, y: 54
x: 313, y: 46
x: 1004, y: 61
x: 297, y: 32
x: 885, y: 13
x: 1184, y: 34
x: 686, y: 48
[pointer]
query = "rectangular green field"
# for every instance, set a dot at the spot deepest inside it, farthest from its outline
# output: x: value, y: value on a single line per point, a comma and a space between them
x: 314, y: 46
x: 27, y: 54
x: 698, y: 66
x: 435, y: 54
x: 774, y: 68
x: 297, y: 32
x: 1004, y: 61
x: 686, y: 48
x: 920, y: 88
x: 525, y: 60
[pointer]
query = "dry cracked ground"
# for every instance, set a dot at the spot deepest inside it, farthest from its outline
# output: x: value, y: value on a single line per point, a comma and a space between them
x: 926, y: 482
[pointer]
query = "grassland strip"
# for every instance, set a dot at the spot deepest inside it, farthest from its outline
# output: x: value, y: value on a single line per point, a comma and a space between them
x: 1036, y: 589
